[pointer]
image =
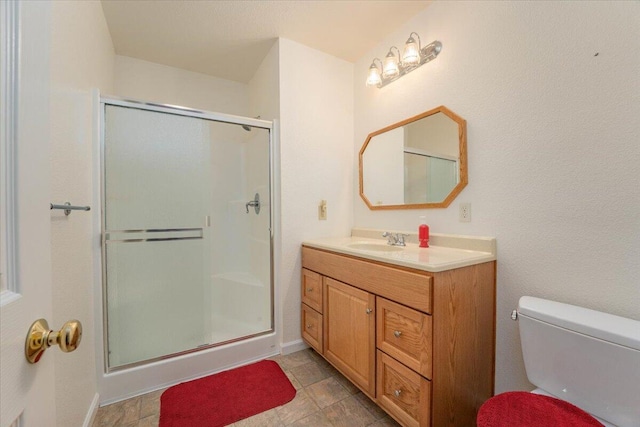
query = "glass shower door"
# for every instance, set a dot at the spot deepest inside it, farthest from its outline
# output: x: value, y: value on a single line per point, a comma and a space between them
x: 170, y: 185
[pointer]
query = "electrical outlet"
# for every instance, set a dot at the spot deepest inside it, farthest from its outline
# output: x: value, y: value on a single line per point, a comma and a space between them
x: 465, y: 212
x: 322, y: 210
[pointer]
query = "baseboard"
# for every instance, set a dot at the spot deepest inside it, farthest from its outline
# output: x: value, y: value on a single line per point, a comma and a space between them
x: 292, y: 346
x: 93, y: 410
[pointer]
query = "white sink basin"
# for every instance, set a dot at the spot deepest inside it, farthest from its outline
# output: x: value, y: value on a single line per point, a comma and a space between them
x: 378, y: 247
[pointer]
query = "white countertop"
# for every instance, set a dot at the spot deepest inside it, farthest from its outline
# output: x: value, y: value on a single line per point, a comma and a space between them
x: 432, y: 259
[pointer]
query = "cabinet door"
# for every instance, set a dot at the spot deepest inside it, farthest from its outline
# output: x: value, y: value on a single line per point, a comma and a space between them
x: 349, y: 332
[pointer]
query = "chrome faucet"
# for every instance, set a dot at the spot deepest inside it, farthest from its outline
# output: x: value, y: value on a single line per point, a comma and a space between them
x: 395, y: 239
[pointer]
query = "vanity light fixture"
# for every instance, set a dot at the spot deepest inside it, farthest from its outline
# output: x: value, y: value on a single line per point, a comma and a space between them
x: 394, y: 67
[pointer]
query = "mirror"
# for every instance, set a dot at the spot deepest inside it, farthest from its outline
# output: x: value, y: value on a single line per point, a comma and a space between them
x: 417, y: 163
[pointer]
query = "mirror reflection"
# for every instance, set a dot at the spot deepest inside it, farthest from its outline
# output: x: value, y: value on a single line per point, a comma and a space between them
x: 417, y: 163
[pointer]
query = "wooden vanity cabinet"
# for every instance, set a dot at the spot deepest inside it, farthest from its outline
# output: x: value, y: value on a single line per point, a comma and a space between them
x: 420, y: 344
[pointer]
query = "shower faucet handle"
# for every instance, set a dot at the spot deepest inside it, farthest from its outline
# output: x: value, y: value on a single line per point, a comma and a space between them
x: 255, y: 204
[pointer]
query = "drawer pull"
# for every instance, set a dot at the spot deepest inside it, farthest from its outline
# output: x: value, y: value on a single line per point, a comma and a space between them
x: 397, y: 334
x: 309, y: 289
x: 309, y: 326
x: 397, y: 393
x: 369, y: 311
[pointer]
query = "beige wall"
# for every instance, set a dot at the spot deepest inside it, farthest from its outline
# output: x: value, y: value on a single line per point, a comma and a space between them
x: 553, y: 147
x: 264, y: 87
x: 316, y: 112
x: 148, y: 81
x: 82, y: 58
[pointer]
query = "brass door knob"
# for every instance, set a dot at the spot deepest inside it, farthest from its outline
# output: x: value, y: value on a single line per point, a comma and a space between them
x: 40, y: 338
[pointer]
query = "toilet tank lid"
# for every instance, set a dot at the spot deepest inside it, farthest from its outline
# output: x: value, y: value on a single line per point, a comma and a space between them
x: 605, y: 326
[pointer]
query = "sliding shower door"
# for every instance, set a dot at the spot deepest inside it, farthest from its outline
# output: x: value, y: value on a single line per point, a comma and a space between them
x: 186, y: 233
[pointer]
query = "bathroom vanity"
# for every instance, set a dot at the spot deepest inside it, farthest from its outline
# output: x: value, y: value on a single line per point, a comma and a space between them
x: 413, y: 328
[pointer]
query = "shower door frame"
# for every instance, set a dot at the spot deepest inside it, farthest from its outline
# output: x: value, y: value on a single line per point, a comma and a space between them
x: 265, y: 343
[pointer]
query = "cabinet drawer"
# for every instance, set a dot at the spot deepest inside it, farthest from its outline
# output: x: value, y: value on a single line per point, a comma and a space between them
x: 312, y: 289
x: 413, y: 289
x: 403, y: 393
x: 405, y: 334
x: 312, y: 327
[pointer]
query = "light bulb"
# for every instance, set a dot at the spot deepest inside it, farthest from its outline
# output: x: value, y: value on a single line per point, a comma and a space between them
x: 411, y: 54
x: 374, y: 78
x: 390, y: 68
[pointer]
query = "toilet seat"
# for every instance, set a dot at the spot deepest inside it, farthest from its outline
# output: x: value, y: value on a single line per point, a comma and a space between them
x: 523, y: 409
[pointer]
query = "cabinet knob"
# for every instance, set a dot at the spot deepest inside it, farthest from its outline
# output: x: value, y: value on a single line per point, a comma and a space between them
x: 397, y: 393
x: 309, y: 289
x: 309, y: 326
x: 397, y: 334
x: 368, y: 311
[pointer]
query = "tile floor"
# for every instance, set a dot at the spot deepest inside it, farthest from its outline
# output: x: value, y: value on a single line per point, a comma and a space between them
x: 324, y: 398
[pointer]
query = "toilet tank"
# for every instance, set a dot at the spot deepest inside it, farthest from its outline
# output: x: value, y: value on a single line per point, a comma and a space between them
x: 586, y: 357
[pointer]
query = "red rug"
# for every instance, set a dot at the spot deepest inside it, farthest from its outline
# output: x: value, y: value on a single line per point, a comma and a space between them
x: 224, y: 398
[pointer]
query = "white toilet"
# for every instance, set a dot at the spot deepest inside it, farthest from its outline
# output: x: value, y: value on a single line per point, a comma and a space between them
x: 587, y: 358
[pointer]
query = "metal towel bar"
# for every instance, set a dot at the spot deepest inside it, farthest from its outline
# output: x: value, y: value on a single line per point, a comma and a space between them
x: 68, y: 207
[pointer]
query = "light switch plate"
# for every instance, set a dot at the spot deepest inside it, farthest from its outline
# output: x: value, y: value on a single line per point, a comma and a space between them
x: 322, y: 210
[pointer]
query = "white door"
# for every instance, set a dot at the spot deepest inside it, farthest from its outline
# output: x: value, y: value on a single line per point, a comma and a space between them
x: 26, y: 391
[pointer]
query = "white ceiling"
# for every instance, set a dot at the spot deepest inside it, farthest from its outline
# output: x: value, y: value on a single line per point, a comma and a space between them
x: 230, y: 38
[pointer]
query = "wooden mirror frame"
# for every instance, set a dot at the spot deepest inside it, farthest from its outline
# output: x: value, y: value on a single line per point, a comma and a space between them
x: 462, y: 133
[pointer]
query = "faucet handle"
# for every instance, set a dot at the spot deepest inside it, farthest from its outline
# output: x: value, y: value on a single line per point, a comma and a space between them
x: 391, y: 239
x: 400, y: 239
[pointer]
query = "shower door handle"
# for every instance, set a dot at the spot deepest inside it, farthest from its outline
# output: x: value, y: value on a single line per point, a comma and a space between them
x: 255, y: 204
x: 152, y: 235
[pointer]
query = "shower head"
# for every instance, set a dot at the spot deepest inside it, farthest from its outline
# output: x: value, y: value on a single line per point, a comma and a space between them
x: 247, y: 127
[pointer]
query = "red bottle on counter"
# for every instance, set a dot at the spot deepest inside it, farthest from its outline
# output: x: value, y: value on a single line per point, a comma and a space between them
x: 423, y: 233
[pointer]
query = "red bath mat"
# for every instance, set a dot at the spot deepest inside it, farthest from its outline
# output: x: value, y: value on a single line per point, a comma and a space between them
x: 224, y: 398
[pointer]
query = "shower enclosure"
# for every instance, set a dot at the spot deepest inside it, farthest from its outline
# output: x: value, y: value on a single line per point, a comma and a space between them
x: 187, y: 260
